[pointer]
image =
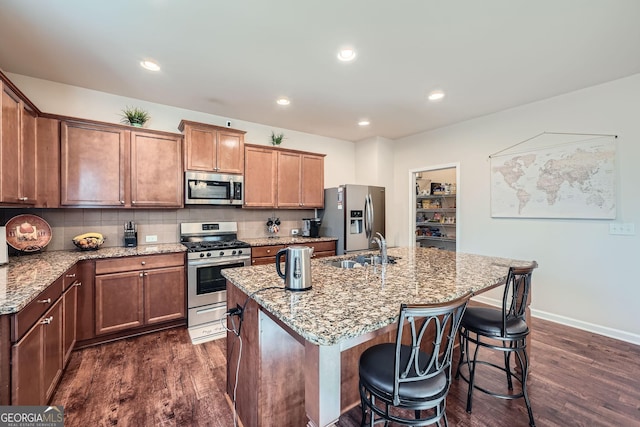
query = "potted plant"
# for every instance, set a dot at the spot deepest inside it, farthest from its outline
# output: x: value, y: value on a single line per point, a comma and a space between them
x: 135, y: 116
x: 276, y: 139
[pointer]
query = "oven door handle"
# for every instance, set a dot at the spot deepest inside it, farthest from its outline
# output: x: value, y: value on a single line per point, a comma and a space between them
x: 212, y: 262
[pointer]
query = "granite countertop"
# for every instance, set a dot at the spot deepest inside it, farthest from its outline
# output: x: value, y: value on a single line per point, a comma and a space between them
x: 346, y: 303
x: 25, y: 276
x: 286, y: 240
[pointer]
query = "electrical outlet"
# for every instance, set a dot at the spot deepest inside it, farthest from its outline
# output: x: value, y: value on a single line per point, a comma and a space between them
x: 622, y: 228
x: 295, y: 231
x: 151, y: 238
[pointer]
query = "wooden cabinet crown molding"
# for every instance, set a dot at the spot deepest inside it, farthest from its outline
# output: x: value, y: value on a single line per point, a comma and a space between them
x: 287, y: 150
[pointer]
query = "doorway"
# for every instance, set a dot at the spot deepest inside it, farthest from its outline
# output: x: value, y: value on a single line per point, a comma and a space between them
x: 434, y: 219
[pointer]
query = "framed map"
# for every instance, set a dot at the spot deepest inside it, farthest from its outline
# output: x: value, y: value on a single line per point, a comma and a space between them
x: 569, y: 180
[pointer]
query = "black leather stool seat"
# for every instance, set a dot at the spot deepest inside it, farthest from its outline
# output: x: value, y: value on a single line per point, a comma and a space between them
x: 407, y: 382
x: 488, y: 322
x: 379, y: 374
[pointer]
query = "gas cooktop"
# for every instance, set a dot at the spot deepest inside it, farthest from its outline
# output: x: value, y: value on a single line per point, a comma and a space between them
x: 205, y: 245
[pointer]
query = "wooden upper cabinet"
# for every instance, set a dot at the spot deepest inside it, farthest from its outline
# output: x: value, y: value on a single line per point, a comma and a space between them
x: 281, y: 178
x: 18, y: 149
x: 93, y: 164
x: 212, y: 148
x: 260, y: 177
x: 156, y: 170
x: 48, y: 162
x: 312, y: 181
x: 289, y: 174
x: 104, y: 165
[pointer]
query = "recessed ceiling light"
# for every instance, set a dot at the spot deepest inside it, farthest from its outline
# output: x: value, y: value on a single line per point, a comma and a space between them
x: 150, y: 65
x: 283, y: 101
x: 436, y: 95
x: 347, y: 54
x: 364, y: 123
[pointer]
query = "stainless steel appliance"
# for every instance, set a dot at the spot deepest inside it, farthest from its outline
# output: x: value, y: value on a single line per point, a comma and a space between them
x: 353, y: 214
x: 203, y: 188
x: 4, y: 249
x: 297, y: 267
x: 130, y: 234
x: 211, y: 247
x: 311, y: 227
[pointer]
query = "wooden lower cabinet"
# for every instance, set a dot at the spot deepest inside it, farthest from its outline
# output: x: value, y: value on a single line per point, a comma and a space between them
x: 133, y: 299
x: 70, y: 301
x: 261, y: 255
x: 37, y: 359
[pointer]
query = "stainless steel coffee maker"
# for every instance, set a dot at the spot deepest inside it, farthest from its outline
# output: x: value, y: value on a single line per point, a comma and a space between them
x: 297, y: 267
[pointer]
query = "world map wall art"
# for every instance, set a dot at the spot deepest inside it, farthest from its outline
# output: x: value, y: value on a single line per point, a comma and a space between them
x: 574, y: 179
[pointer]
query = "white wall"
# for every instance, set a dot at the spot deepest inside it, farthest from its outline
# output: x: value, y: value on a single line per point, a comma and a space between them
x: 56, y: 98
x: 586, y: 277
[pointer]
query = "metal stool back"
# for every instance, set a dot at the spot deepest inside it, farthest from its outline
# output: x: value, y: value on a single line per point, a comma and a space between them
x: 408, y: 381
x: 505, y: 331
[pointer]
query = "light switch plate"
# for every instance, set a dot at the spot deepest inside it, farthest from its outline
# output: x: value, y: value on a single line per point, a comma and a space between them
x: 622, y: 228
x: 151, y: 238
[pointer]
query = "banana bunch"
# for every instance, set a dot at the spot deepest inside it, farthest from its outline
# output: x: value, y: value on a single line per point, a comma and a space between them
x: 88, y: 241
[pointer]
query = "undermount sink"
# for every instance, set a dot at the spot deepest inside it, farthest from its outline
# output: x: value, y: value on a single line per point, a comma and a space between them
x: 360, y: 261
x: 345, y: 263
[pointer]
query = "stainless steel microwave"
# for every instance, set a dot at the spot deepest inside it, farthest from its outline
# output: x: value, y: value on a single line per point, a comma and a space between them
x: 203, y: 188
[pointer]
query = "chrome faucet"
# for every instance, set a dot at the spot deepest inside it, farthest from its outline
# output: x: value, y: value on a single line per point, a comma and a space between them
x: 382, y: 244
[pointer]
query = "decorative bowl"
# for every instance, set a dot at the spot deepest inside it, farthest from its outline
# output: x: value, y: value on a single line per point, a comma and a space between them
x: 89, y: 243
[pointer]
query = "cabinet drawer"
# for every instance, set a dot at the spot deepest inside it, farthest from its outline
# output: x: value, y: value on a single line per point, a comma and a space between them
x: 322, y: 247
x: 25, y: 318
x: 265, y: 251
x: 145, y: 262
x: 70, y: 277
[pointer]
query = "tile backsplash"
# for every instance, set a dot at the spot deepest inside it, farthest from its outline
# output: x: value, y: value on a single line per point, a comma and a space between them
x: 165, y: 224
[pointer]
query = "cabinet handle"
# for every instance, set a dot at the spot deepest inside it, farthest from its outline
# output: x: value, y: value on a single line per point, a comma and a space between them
x: 141, y: 274
x: 47, y: 320
x: 146, y: 274
x: 122, y: 202
x: 77, y: 284
x: 70, y: 275
x: 23, y: 199
x: 143, y: 263
x: 45, y: 301
x: 133, y: 202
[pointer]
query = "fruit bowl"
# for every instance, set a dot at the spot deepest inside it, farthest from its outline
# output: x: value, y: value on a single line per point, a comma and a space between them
x: 88, y: 241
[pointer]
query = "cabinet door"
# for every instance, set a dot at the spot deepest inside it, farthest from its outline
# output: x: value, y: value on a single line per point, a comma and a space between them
x: 48, y: 164
x: 289, y: 173
x: 52, y: 346
x: 28, y: 157
x: 230, y: 154
x: 260, y: 177
x: 164, y: 294
x: 156, y: 170
x: 10, y: 147
x: 119, y: 303
x: 70, y: 301
x: 200, y: 149
x: 312, y: 181
x: 26, y: 369
x: 93, y: 165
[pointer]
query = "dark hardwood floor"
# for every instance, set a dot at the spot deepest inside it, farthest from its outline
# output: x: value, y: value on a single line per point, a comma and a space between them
x: 577, y: 379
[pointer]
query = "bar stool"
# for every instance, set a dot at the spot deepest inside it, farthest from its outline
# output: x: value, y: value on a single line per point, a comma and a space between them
x: 505, y: 331
x: 414, y: 376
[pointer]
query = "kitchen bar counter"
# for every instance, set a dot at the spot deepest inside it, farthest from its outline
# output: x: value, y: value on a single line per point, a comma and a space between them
x: 314, y: 338
x: 286, y: 240
x: 25, y: 276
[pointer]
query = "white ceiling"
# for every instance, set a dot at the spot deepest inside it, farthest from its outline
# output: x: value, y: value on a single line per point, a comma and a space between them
x: 234, y: 58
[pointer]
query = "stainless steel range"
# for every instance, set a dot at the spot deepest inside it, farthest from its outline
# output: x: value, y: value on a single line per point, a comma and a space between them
x: 211, y: 247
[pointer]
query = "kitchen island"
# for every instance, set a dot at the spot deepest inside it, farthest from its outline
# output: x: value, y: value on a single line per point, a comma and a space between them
x: 300, y: 350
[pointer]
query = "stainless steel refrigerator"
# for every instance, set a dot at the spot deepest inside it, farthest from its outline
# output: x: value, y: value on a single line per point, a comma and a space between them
x: 353, y: 214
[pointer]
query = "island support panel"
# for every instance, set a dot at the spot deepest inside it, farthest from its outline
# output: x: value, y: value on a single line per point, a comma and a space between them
x: 279, y: 368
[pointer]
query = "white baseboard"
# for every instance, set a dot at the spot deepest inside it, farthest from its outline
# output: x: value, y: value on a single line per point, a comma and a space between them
x: 579, y: 324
